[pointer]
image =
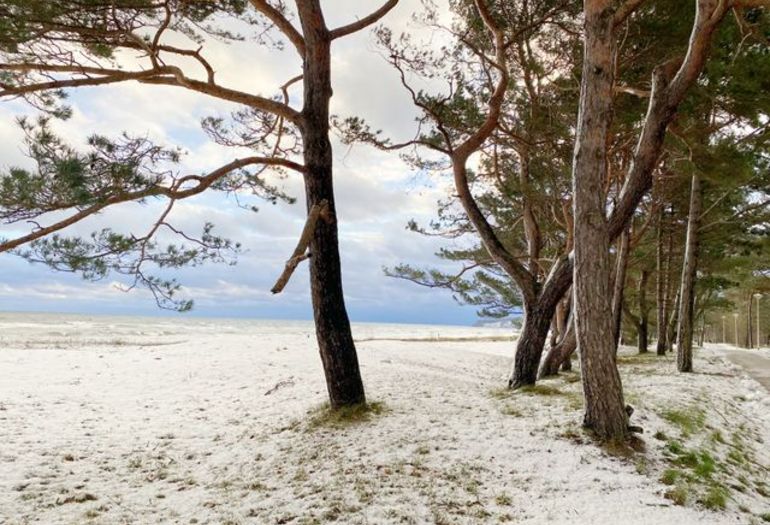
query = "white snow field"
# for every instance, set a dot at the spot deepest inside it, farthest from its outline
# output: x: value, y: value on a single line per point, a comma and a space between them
x: 129, y: 420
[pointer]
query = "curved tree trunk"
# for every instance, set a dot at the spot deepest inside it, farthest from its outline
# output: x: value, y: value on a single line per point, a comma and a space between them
x: 529, y: 347
x: 335, y: 340
x: 605, y: 411
x: 689, y: 269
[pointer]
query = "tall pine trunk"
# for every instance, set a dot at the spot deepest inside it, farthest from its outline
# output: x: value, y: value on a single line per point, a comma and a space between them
x: 663, y: 261
x: 642, y: 341
x: 689, y: 269
x: 673, y: 322
x: 605, y: 410
x: 335, y: 340
x: 621, y: 267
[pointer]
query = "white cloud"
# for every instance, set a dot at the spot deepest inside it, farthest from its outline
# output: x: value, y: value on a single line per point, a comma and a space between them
x: 376, y: 192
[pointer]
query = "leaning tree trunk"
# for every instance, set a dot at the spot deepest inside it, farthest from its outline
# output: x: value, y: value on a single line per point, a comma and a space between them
x: 621, y: 266
x: 529, y: 347
x: 663, y: 261
x: 689, y: 269
x: 335, y: 340
x: 605, y: 410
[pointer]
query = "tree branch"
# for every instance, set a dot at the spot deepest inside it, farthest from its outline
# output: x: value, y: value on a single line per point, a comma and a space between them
x: 282, y: 23
x: 173, y: 192
x: 317, y: 211
x: 364, y: 22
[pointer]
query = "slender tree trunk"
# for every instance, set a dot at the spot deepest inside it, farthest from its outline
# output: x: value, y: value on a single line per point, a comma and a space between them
x: 689, y: 270
x: 673, y: 322
x: 663, y: 260
x: 605, y: 410
x: 335, y: 340
x: 644, y: 312
x: 621, y: 266
x: 749, y: 317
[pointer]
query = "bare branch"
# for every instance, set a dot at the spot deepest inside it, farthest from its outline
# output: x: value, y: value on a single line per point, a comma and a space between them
x: 364, y: 22
x: 625, y: 10
x: 316, y: 212
x: 164, y: 75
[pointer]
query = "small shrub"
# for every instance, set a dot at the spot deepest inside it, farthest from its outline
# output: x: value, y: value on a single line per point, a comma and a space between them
x: 503, y: 500
x: 670, y: 476
x: 678, y: 495
x: 715, y: 498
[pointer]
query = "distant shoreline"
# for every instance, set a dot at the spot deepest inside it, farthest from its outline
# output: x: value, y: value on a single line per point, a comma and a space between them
x: 192, y: 318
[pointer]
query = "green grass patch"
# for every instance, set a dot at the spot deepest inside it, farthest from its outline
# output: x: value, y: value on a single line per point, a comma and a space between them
x: 678, y: 494
x: 541, y: 390
x: 503, y: 499
x: 670, y: 476
x: 500, y: 393
x: 324, y: 416
x: 511, y: 410
x: 765, y: 517
x: 689, y: 420
x: 715, y: 497
x: 648, y: 357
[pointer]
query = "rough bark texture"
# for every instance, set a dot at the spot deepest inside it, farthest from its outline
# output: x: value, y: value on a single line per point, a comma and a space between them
x: 687, y: 291
x: 619, y: 285
x: 529, y: 347
x: 605, y: 410
x: 335, y: 340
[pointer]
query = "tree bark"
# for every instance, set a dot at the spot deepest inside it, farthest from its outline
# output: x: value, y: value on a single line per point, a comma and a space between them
x: 673, y: 322
x: 689, y: 269
x: 642, y: 341
x: 335, y: 340
x: 621, y: 266
x: 670, y: 83
x: 749, y: 317
x: 530, y: 345
x: 605, y: 412
x: 560, y: 353
x: 663, y: 263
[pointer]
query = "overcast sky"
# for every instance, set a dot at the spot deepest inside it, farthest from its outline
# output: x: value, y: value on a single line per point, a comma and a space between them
x: 376, y: 193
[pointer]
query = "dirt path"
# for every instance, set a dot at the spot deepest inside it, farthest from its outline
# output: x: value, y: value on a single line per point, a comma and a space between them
x: 756, y: 366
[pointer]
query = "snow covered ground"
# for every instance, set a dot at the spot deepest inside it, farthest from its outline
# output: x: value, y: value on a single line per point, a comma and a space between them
x: 121, y: 420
